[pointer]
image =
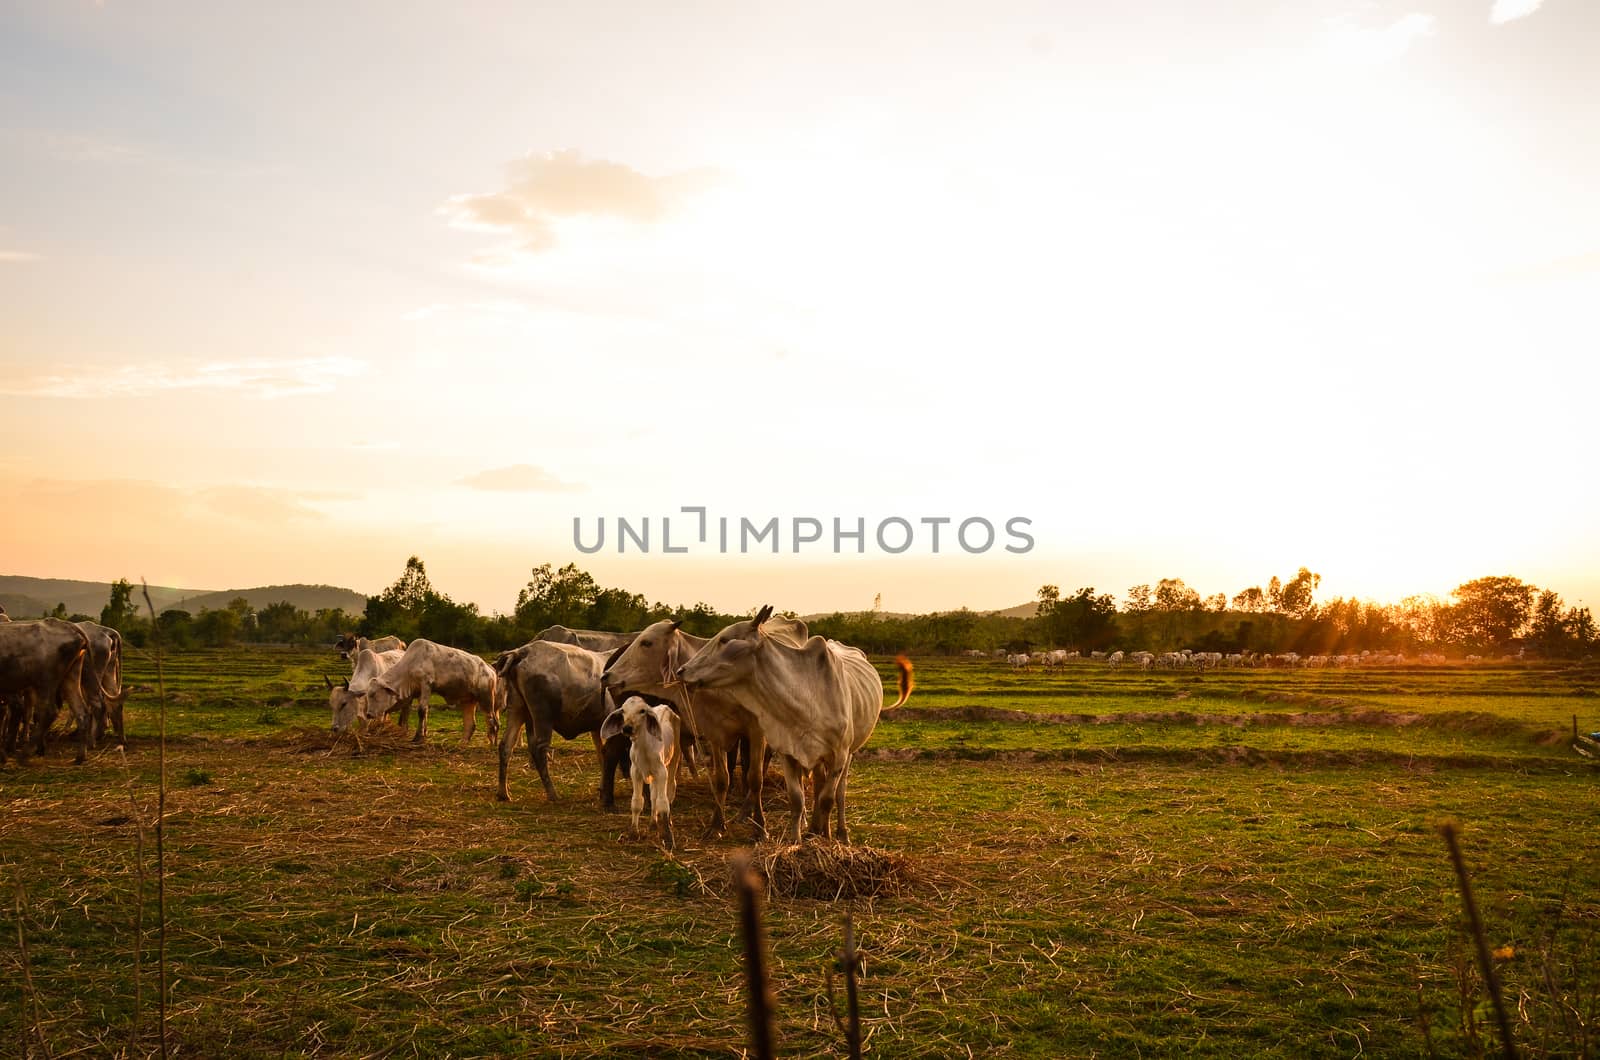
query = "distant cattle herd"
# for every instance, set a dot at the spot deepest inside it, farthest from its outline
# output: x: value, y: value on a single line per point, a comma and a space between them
x: 1212, y: 660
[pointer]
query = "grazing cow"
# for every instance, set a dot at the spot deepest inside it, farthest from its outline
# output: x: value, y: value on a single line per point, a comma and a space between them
x: 349, y: 699
x: 463, y: 679
x: 655, y: 758
x: 817, y: 704
x: 650, y: 665
x: 551, y: 687
x: 39, y: 662
x: 1018, y: 661
x: 102, y: 679
x: 593, y: 639
x: 1114, y: 659
x: 350, y: 644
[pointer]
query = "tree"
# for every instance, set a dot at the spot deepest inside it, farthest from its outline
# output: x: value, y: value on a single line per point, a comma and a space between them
x: 1173, y: 595
x: 1295, y: 598
x: 119, y: 609
x: 1275, y: 594
x: 1138, y: 600
x: 1251, y: 600
x: 556, y: 597
x: 1491, y: 612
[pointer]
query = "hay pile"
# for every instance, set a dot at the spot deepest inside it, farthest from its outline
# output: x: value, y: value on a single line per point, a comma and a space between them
x: 830, y: 870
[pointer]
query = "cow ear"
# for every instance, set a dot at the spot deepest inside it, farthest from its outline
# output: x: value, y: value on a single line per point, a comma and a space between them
x: 612, y: 726
x: 762, y: 615
x: 652, y: 723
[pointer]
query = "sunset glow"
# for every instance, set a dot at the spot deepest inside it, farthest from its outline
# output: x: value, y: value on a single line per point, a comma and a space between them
x: 293, y: 295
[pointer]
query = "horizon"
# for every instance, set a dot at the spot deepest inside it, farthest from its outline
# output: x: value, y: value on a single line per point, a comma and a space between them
x: 298, y: 293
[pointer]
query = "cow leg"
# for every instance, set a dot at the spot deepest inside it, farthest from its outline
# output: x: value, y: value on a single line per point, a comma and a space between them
x: 539, y: 753
x: 662, y: 805
x: 755, y: 778
x: 613, y: 753
x: 422, y: 713
x: 516, y: 718
x: 718, y: 765
x: 469, y: 720
x: 797, y: 800
x: 844, y: 776
x: 823, y: 782
x: 636, y: 800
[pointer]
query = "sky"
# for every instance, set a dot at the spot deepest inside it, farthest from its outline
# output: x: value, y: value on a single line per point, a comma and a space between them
x: 289, y: 293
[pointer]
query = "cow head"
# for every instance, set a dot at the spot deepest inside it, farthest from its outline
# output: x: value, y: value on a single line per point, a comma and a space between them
x: 345, y: 704
x: 345, y: 645
x: 650, y: 661
x: 729, y: 657
x: 380, y: 699
x: 634, y: 717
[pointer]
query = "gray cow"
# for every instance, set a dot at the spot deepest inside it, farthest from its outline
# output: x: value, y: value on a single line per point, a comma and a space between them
x: 39, y: 662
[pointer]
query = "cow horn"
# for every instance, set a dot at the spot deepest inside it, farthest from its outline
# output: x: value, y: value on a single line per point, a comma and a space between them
x: 327, y: 681
x: 762, y: 615
x: 676, y: 623
x: 347, y: 684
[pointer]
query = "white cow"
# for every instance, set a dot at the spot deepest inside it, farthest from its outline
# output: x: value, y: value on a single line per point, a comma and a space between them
x: 817, y: 705
x: 348, y: 700
x: 463, y: 679
x: 1018, y: 661
x: 352, y: 644
x: 655, y: 758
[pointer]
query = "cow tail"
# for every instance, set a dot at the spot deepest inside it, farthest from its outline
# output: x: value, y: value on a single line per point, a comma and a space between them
x: 902, y: 666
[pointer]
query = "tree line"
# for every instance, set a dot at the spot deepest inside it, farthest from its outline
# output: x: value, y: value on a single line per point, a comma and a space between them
x: 1490, y: 615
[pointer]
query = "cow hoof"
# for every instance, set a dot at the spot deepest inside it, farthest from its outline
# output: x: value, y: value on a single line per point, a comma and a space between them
x: 502, y: 797
x: 712, y: 832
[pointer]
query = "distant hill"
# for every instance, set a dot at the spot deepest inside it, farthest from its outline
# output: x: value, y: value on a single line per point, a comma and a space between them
x: 312, y: 598
x: 1028, y: 610
x: 25, y: 597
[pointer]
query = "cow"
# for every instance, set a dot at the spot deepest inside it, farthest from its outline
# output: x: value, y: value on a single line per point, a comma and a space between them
x: 1017, y: 661
x: 3, y: 616
x: 348, y: 700
x: 817, y: 704
x: 102, y: 679
x: 650, y: 665
x: 593, y: 639
x: 552, y: 687
x: 655, y: 757
x: 350, y: 644
x: 463, y: 679
x: 40, y: 661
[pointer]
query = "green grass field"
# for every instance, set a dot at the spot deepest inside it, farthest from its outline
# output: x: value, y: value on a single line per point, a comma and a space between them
x: 1105, y: 864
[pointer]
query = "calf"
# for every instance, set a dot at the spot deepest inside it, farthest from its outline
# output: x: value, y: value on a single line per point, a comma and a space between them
x: 655, y: 759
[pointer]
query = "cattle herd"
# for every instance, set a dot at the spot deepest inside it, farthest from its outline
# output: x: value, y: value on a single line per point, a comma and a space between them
x: 652, y: 702
x: 48, y: 663
x: 1185, y: 659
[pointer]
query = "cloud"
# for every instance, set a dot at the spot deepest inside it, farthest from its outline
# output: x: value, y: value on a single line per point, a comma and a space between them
x: 560, y: 185
x: 260, y: 377
x: 518, y: 478
x: 1553, y: 269
x: 1508, y: 10
x: 17, y: 255
x: 257, y: 504
x: 1370, y: 46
